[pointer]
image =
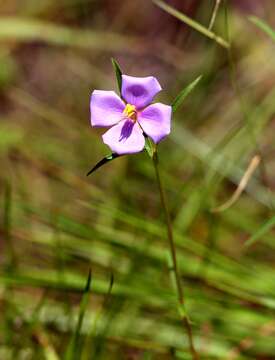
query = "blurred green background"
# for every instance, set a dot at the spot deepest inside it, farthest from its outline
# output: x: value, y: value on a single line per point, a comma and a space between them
x: 56, y: 223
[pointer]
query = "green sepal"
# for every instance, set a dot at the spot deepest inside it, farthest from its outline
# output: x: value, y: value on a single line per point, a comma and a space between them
x: 118, y: 73
x: 150, y: 147
x: 102, y: 162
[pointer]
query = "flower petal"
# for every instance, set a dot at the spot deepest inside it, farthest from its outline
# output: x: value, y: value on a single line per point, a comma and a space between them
x: 106, y: 108
x: 125, y: 138
x: 155, y: 121
x: 139, y: 91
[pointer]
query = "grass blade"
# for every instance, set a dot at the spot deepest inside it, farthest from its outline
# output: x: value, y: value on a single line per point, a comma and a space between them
x: 192, y: 23
x: 184, y: 93
x: 254, y: 163
x: 263, y: 26
x: 20, y: 29
x: 74, y: 348
x: 267, y: 226
x: 214, y: 14
x: 98, y: 335
x: 10, y: 253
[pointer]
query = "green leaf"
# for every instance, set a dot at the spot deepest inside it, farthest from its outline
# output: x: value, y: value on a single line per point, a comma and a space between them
x: 102, y: 162
x: 150, y: 146
x: 118, y: 73
x: 263, y: 26
x: 74, y: 348
x: 184, y: 93
x: 267, y: 226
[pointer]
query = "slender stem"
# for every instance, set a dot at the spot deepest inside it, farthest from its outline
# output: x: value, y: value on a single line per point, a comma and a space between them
x: 190, y: 22
x: 214, y: 14
x: 181, y: 299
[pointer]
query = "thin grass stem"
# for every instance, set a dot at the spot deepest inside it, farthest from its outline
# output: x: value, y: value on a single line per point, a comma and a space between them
x: 184, y: 317
x: 214, y: 14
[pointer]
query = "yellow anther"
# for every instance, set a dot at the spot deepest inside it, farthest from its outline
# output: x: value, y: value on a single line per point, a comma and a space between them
x: 130, y: 111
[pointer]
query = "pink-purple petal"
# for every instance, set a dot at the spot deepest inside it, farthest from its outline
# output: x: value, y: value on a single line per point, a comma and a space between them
x: 155, y: 121
x: 125, y: 138
x: 106, y: 108
x: 139, y: 91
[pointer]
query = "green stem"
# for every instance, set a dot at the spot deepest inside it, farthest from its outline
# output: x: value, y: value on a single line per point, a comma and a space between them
x: 184, y: 318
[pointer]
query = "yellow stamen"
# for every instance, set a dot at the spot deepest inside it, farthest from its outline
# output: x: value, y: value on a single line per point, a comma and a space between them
x: 131, y: 112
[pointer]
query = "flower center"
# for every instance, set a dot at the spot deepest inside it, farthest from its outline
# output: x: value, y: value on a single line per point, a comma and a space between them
x: 131, y: 112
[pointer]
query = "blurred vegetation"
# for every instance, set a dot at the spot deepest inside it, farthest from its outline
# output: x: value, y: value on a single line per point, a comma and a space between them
x: 57, y: 224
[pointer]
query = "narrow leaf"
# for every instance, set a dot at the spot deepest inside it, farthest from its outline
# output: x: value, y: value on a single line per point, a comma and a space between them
x: 263, y: 26
x: 75, y: 345
x: 106, y: 300
x: 265, y: 228
x: 184, y: 93
x: 10, y: 253
x: 118, y: 73
x: 102, y: 162
x: 192, y: 23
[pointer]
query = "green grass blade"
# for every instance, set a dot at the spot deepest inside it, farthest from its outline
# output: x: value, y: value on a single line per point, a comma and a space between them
x: 184, y: 93
x: 263, y: 26
x: 98, y: 340
x: 22, y: 29
x: 267, y: 226
x: 118, y: 73
x: 192, y: 23
x: 10, y: 253
x: 75, y: 345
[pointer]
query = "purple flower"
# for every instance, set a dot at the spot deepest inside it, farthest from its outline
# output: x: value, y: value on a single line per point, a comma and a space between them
x: 132, y: 116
